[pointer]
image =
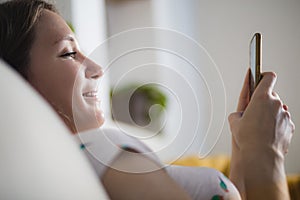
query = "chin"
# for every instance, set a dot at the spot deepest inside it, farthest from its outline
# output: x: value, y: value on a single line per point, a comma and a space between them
x: 90, y: 121
x: 87, y: 114
x: 100, y: 119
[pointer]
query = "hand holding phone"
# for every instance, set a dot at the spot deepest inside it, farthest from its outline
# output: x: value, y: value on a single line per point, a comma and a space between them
x: 255, y: 62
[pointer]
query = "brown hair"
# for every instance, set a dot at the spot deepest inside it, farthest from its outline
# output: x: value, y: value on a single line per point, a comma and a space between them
x: 17, y: 31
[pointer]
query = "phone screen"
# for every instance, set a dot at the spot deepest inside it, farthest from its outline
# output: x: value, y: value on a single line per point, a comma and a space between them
x: 255, y: 62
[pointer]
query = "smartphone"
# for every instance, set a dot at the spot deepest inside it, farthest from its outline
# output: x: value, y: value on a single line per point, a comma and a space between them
x: 255, y: 62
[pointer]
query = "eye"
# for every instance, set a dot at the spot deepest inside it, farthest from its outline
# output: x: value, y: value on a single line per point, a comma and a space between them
x: 69, y: 55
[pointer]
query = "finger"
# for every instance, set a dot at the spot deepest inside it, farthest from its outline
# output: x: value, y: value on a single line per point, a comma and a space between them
x: 235, y: 146
x: 293, y: 126
x: 234, y: 116
x: 266, y: 84
x: 233, y: 119
x: 290, y: 136
x: 274, y: 94
x: 285, y: 107
x: 244, y: 95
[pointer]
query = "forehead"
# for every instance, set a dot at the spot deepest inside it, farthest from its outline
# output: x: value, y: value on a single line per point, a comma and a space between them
x: 51, y: 28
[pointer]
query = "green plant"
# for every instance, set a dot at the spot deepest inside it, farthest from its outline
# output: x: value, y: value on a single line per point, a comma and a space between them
x: 141, y: 98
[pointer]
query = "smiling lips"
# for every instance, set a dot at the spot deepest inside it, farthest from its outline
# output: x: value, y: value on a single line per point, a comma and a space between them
x: 92, y: 94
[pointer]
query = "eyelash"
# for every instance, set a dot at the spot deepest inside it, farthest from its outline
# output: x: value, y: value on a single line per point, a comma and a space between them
x: 69, y: 54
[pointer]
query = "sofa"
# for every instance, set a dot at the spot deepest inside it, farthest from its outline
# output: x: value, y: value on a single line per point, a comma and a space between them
x: 39, y: 157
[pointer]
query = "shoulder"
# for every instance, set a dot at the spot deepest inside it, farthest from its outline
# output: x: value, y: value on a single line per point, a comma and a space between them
x: 104, y: 146
x: 203, y: 182
x: 135, y: 176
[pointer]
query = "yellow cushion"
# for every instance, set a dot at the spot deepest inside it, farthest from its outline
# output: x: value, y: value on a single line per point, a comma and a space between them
x: 294, y: 186
x: 219, y: 162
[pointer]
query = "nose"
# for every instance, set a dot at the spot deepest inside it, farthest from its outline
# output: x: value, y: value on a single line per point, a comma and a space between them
x: 93, y: 70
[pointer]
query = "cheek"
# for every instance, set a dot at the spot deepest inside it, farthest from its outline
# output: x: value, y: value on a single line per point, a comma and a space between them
x: 55, y: 81
x: 63, y: 86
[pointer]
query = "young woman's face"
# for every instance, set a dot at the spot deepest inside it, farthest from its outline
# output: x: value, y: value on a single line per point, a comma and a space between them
x: 63, y: 75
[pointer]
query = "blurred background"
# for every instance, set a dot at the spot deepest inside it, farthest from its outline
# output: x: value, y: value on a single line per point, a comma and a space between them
x: 223, y: 29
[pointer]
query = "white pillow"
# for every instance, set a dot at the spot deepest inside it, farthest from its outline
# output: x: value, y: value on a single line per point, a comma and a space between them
x: 39, y: 158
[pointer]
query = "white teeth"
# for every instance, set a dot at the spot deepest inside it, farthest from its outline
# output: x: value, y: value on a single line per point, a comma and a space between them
x: 90, y: 94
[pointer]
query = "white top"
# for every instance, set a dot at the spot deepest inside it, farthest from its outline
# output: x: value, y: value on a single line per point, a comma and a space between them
x: 102, y: 146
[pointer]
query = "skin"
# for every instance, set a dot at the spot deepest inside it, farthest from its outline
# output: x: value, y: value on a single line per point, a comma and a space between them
x: 135, y: 186
x: 62, y: 74
x: 261, y: 133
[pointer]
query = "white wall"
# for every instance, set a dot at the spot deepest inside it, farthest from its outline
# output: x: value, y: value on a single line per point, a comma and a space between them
x: 224, y: 28
x: 65, y: 9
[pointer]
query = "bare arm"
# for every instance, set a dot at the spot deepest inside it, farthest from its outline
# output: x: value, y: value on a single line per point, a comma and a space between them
x: 261, y: 133
x: 155, y: 184
x: 262, y: 177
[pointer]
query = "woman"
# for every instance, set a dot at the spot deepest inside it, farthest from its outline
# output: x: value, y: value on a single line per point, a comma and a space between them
x: 37, y: 42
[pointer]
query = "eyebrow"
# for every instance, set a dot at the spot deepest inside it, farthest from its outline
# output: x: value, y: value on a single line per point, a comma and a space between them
x: 67, y: 38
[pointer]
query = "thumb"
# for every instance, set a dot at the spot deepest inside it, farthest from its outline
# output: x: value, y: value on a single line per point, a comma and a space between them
x: 234, y: 116
x: 233, y: 119
x: 244, y: 95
